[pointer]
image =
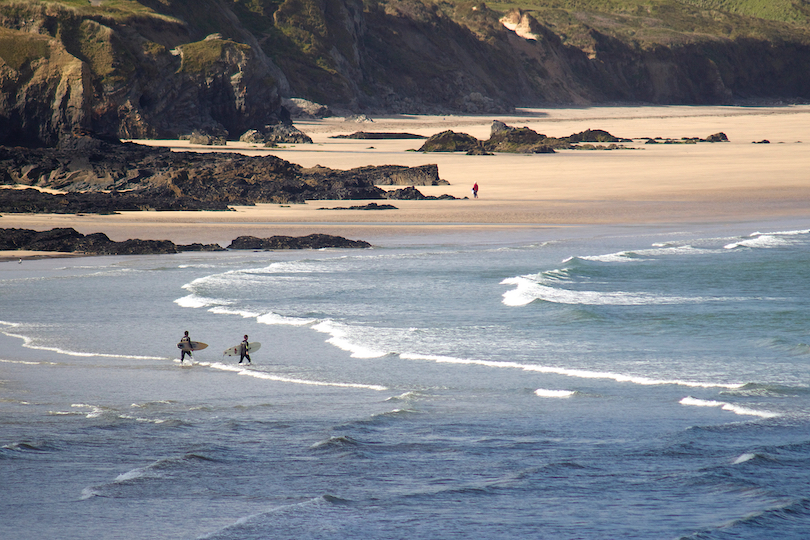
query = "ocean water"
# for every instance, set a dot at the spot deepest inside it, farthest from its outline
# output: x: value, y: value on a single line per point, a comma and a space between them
x: 560, y: 383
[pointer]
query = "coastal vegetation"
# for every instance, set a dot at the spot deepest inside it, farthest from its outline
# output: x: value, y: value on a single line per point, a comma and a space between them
x: 165, y: 68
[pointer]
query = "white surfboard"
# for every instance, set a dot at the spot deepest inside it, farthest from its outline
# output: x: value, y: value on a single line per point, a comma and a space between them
x: 253, y: 346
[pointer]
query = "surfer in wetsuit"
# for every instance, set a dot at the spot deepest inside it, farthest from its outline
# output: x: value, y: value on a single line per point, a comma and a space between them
x: 183, y: 351
x: 243, y: 350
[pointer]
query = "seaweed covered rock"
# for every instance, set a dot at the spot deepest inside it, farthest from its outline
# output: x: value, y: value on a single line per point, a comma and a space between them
x: 109, y: 176
x: 413, y: 194
x: 271, y: 135
x: 717, y: 137
x: 312, y: 241
x: 376, y: 135
x: 70, y: 240
x: 519, y: 141
x: 594, y: 135
x: 450, y: 141
x: 400, y: 175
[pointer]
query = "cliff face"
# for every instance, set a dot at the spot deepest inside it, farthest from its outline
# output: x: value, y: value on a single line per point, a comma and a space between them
x: 417, y: 57
x: 162, y: 68
x: 126, y: 75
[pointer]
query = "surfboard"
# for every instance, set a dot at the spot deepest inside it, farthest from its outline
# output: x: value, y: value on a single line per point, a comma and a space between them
x: 253, y: 346
x: 192, y: 345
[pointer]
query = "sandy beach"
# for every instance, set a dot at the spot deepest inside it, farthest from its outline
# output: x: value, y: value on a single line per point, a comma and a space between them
x: 735, y: 181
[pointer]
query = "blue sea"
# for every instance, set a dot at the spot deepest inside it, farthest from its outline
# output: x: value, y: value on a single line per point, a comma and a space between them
x: 620, y: 382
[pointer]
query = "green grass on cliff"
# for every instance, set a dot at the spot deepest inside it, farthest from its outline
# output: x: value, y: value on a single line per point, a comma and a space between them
x: 19, y: 48
x: 198, y: 57
x: 115, y: 9
x: 674, y: 12
x: 794, y: 11
x: 668, y: 22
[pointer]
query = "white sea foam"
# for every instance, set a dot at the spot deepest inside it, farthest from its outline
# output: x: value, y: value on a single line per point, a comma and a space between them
x: 141, y: 419
x: 540, y: 392
x: 579, y: 373
x: 150, y: 403
x: 231, y: 531
x: 340, y: 338
x: 743, y: 458
x: 762, y: 242
x: 621, y: 256
x: 736, y: 409
x: 94, y: 411
x: 274, y: 318
x: 88, y: 493
x: 134, y: 474
x: 527, y: 290
x: 798, y: 232
x: 768, y: 240
x: 271, y: 377
x: 221, y: 310
x: 640, y: 255
x: 24, y: 362
x: 28, y: 343
x: 405, y: 396
x: 194, y: 301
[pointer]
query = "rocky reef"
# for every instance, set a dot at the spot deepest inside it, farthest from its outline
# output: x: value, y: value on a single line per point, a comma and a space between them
x: 515, y: 140
x: 70, y: 241
x: 378, y: 135
x: 716, y: 137
x: 312, y: 241
x: 369, y: 206
x: 103, y: 175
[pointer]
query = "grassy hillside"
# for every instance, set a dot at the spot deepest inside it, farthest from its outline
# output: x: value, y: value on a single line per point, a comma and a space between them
x: 669, y: 22
x: 112, y: 9
x: 792, y: 11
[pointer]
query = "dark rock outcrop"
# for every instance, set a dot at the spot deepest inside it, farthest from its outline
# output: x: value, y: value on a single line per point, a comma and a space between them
x: 272, y: 135
x: 101, y: 175
x: 369, y: 206
x: 69, y: 240
x: 716, y: 137
x: 130, y: 74
x: 399, y: 175
x: 37, y: 202
x: 450, y: 141
x: 518, y: 141
x: 378, y: 136
x: 413, y: 194
x: 312, y: 241
x: 523, y: 140
x: 207, y: 139
x: 302, y: 108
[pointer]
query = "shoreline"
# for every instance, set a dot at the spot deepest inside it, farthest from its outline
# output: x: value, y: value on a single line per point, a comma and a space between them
x: 646, y: 185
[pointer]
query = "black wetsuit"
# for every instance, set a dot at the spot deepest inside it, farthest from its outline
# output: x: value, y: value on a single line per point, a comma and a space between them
x: 184, y: 352
x: 243, y: 352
